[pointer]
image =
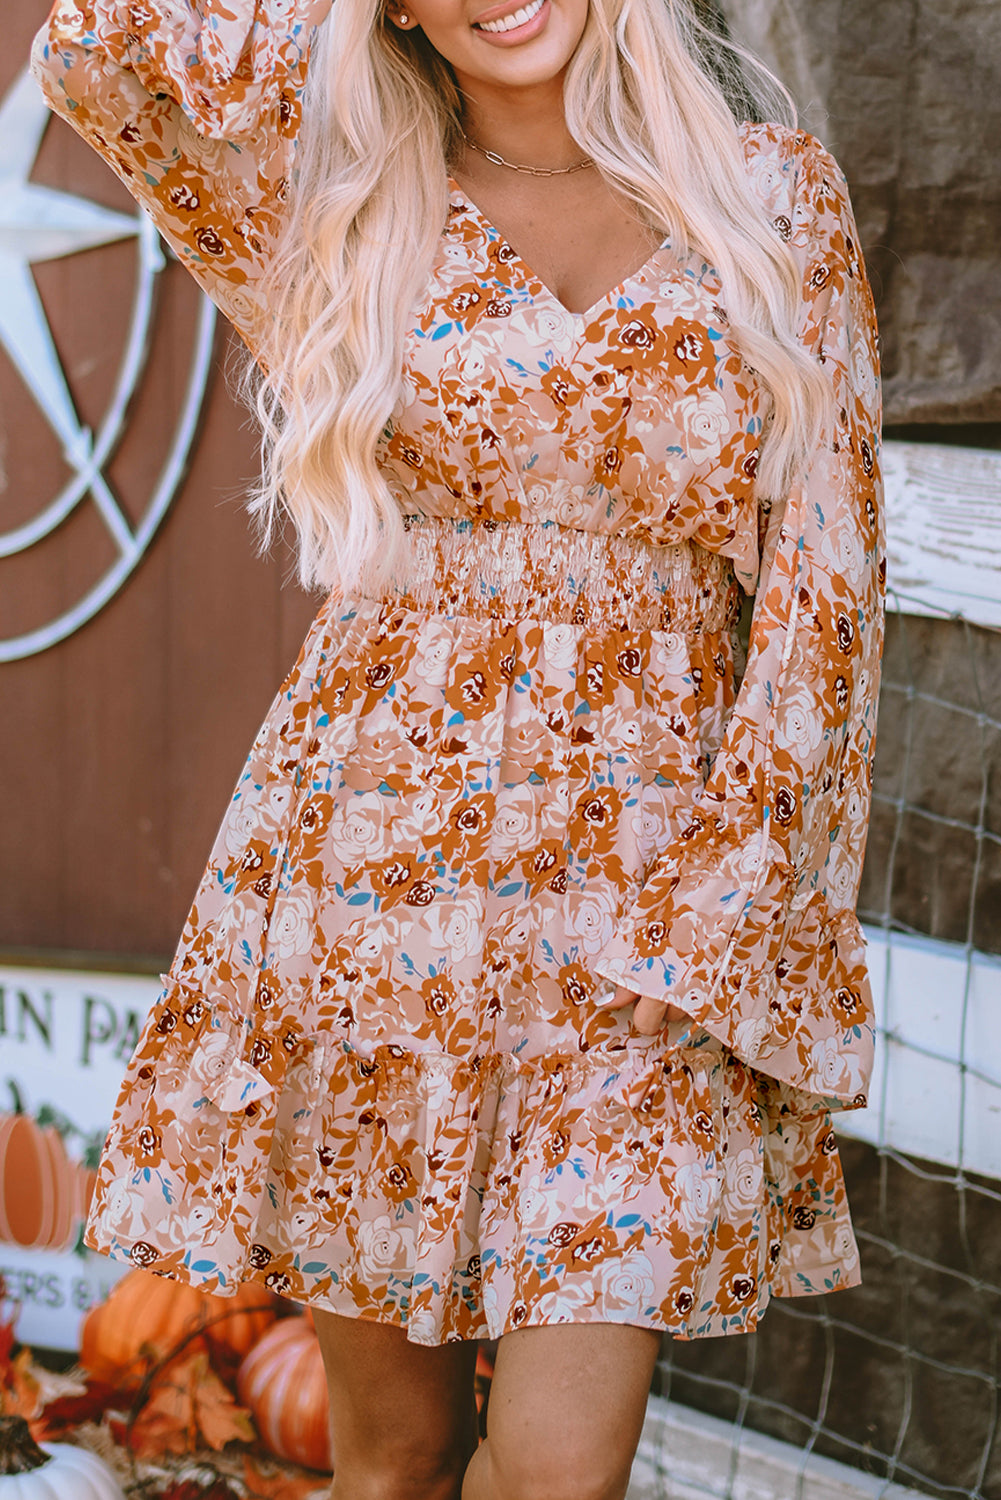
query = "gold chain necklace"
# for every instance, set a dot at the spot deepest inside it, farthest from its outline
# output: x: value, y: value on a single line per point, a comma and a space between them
x: 499, y: 161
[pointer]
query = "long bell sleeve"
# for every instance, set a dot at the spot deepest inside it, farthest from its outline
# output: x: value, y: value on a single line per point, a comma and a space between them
x: 195, y: 104
x: 746, y: 919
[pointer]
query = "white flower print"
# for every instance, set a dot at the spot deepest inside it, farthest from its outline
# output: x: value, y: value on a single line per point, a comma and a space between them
x: 842, y: 547
x: 844, y: 1246
x: 749, y: 1036
x: 743, y: 1183
x: 436, y: 1083
x: 435, y: 644
x: 377, y: 1248
x: 802, y: 720
x: 423, y: 1327
x: 705, y: 421
x: 198, y: 1227
x: 212, y: 1059
x: 842, y: 871
x: 697, y: 1188
x: 610, y: 1185
x: 590, y: 919
x: 626, y: 1283
x: 455, y: 929
x: 423, y: 816
x: 684, y: 299
x: 515, y: 819
x: 830, y: 1070
x: 564, y: 1305
x: 125, y: 1210
x: 669, y: 654
x: 368, y: 943
x: 292, y: 926
x: 560, y: 643
x: 536, y: 1211
x: 621, y: 731
x: 538, y: 500
x: 243, y: 821
x: 570, y: 508
x: 768, y: 178
x: 358, y: 828
x: 544, y: 328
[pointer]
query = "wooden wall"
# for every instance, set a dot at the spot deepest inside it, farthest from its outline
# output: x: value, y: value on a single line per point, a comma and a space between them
x: 120, y: 746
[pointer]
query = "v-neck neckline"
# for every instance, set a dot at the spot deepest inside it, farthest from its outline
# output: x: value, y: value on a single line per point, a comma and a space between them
x: 456, y: 191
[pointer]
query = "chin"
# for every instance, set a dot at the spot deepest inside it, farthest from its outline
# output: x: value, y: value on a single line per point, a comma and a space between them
x: 517, y: 69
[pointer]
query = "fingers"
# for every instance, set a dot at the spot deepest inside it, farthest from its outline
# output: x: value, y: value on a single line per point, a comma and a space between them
x: 650, y: 1016
x: 619, y: 997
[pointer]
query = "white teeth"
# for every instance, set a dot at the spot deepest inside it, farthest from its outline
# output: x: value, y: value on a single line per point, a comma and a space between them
x: 508, y: 23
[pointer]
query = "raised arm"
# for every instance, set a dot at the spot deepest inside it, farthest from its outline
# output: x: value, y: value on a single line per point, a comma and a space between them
x: 746, y: 921
x: 195, y: 104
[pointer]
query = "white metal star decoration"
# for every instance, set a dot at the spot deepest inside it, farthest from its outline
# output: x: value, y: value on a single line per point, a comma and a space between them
x: 39, y: 224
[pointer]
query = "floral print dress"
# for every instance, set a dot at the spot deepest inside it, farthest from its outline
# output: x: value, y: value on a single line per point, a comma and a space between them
x: 379, y: 1078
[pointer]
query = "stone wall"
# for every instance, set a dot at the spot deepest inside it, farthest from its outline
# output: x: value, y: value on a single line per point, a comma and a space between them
x: 907, y: 94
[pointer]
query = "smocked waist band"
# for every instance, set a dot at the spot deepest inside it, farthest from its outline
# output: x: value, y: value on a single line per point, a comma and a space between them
x: 541, y: 570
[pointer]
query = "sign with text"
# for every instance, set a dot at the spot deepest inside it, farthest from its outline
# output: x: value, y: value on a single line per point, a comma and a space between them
x: 65, y: 1038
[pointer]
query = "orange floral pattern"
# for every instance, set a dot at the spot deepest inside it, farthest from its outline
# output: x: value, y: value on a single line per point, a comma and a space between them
x: 379, y: 1077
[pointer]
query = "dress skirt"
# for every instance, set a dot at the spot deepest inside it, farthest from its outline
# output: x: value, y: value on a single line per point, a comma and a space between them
x: 379, y: 1078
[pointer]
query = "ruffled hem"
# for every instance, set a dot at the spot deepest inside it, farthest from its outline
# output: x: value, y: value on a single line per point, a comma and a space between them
x: 457, y: 1197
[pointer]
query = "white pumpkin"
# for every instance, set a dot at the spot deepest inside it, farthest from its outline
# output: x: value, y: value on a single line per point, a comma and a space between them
x: 52, y: 1471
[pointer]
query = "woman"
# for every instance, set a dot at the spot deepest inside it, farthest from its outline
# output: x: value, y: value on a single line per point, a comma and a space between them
x: 524, y: 974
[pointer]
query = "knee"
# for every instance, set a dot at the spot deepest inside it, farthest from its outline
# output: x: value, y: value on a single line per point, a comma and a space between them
x: 559, y: 1471
x: 399, y: 1469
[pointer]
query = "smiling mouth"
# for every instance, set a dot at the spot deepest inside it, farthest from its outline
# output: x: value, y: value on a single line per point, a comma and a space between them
x: 509, y: 23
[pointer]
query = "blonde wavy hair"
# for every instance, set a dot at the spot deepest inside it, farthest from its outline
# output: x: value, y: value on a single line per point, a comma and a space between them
x: 651, y: 94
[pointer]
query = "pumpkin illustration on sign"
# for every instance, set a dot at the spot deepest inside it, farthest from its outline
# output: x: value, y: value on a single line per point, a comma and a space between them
x: 44, y: 1195
x: 29, y: 1471
x: 146, y: 1318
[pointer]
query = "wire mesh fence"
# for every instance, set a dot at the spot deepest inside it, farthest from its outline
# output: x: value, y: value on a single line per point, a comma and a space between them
x: 900, y: 1377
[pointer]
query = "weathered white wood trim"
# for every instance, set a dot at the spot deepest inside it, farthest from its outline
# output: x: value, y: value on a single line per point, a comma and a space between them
x: 936, y: 1086
x: 943, y: 514
x: 686, y: 1455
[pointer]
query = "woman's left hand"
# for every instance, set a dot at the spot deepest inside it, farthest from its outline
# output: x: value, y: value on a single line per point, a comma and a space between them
x: 650, y: 1016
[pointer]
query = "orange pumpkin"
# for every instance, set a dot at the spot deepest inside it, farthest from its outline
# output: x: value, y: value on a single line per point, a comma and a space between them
x: 283, y: 1383
x: 145, y: 1316
x: 39, y: 1203
x: 86, y: 1181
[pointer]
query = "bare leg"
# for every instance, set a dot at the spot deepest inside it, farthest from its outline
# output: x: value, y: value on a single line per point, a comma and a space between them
x: 565, y: 1414
x: 403, y: 1417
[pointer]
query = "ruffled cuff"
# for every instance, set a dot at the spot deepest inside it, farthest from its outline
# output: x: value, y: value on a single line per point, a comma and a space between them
x: 720, y: 931
x: 224, y: 62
